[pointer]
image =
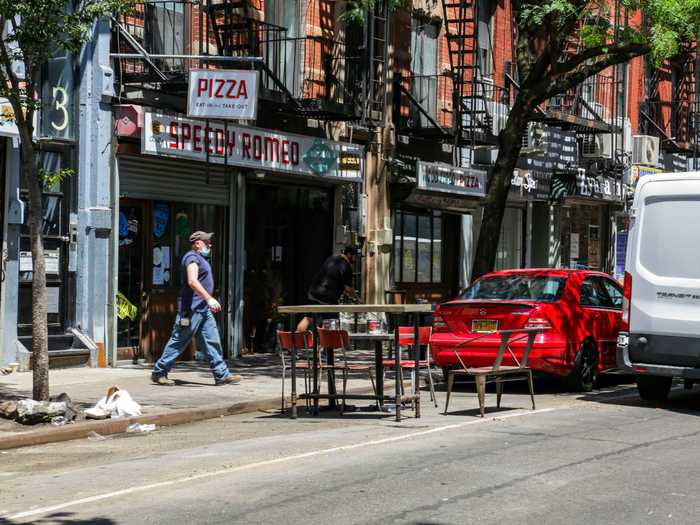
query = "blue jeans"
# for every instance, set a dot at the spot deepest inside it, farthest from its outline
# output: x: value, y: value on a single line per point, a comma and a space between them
x: 203, y: 327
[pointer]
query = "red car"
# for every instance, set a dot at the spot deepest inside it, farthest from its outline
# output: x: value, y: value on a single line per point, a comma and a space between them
x: 581, y: 308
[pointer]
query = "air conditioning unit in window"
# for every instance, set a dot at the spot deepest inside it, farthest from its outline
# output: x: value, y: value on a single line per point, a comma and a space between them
x: 597, y: 146
x: 645, y: 150
x: 535, y: 136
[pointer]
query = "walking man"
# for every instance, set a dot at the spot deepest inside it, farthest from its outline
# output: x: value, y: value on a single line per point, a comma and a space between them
x: 195, y: 316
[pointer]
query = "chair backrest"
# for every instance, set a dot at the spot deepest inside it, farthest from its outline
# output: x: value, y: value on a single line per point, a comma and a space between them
x: 333, y: 338
x: 406, y: 335
x: 302, y: 340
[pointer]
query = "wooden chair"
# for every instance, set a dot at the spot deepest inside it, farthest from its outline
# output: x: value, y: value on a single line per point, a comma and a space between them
x: 406, y: 340
x: 340, y: 340
x: 496, y: 373
x: 304, y: 343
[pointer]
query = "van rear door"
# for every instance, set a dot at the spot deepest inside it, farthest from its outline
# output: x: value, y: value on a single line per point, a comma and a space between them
x: 665, y: 266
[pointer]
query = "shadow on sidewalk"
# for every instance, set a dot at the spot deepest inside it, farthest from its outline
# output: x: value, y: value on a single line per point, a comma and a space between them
x: 63, y: 518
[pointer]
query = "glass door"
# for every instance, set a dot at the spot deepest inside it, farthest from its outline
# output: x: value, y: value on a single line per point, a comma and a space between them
x: 56, y: 207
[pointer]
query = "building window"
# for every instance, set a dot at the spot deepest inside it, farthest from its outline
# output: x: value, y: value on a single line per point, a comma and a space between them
x: 424, y: 68
x: 417, y: 247
x: 510, y: 244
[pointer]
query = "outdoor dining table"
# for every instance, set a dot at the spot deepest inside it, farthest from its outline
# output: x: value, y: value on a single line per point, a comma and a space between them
x: 394, y: 310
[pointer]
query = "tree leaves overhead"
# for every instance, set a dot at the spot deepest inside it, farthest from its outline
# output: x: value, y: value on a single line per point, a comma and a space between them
x: 356, y: 10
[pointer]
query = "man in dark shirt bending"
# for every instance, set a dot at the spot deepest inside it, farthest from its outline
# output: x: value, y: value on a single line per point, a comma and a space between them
x: 330, y: 283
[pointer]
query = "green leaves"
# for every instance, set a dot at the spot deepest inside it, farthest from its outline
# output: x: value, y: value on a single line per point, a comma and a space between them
x: 356, y: 10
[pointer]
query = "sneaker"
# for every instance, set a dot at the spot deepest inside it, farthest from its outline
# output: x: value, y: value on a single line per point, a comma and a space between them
x: 230, y: 380
x: 162, y: 380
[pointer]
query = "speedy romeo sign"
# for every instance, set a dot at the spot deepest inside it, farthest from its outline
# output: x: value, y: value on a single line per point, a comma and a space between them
x: 223, y: 93
x: 178, y: 136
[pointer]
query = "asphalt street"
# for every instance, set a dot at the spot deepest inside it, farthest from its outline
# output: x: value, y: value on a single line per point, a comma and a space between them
x: 605, y: 457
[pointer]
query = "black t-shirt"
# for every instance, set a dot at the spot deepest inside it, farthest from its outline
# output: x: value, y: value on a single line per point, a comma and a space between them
x: 329, y: 283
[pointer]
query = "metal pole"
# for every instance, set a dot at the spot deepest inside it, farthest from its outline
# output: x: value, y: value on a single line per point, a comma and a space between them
x: 397, y: 371
x: 294, y: 366
x: 416, y: 350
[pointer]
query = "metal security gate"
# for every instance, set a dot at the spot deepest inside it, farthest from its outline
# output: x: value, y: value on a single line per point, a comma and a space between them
x: 165, y: 179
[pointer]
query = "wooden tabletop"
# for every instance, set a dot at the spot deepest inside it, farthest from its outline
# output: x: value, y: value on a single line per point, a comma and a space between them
x: 355, y: 308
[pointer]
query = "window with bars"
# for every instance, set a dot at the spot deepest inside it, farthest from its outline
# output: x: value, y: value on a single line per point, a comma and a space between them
x: 417, y: 247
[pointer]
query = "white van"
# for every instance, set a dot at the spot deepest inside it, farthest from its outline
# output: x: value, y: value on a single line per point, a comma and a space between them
x: 660, y: 336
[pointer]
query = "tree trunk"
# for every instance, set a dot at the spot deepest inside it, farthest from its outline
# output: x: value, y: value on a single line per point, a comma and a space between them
x: 509, y: 145
x: 40, y: 332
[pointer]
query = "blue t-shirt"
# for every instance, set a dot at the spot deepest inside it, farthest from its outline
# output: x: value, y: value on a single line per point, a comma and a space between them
x: 189, y: 300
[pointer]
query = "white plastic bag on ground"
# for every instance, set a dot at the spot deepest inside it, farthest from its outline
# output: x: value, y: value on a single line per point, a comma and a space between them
x: 117, y: 403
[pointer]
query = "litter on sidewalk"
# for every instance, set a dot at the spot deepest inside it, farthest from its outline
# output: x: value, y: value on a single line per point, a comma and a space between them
x: 140, y: 428
x: 116, y: 403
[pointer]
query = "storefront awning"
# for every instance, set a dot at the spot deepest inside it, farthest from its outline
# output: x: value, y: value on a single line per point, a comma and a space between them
x: 578, y: 184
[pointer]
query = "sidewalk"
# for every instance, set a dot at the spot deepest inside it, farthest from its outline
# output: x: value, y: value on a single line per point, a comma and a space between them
x: 193, y: 398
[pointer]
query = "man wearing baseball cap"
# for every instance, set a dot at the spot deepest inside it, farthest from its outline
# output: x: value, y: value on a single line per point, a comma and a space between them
x: 195, y: 316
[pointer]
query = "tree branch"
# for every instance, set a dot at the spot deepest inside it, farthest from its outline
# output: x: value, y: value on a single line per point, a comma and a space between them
x: 593, y: 52
x: 614, y: 56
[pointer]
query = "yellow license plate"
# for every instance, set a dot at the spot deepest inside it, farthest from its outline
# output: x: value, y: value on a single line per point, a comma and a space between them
x: 484, y: 326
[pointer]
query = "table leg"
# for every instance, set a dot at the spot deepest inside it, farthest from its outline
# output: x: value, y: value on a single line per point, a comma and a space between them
x: 315, y: 366
x: 379, y: 367
x: 294, y: 366
x: 397, y: 370
x: 330, y: 361
x: 416, y: 354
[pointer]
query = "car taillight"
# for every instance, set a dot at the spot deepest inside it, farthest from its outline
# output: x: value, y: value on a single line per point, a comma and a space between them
x: 626, y: 298
x: 439, y: 324
x: 538, y: 322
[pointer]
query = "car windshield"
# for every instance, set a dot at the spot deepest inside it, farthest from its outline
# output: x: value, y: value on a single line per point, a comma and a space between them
x: 541, y: 288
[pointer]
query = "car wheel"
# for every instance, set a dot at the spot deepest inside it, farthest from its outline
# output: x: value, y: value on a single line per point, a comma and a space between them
x: 585, y: 372
x: 654, y: 388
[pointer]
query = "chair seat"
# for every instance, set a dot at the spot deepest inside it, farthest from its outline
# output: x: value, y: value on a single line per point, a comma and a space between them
x: 488, y: 370
x: 390, y: 363
x: 352, y: 366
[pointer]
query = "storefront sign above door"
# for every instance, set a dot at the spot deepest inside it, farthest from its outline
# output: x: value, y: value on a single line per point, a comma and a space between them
x: 439, y: 177
x: 258, y: 149
x: 223, y: 94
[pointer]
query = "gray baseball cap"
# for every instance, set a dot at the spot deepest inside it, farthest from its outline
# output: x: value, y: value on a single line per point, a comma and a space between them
x: 201, y: 236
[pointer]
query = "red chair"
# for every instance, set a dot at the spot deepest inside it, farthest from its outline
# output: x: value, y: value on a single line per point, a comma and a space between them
x: 406, y: 341
x: 339, y: 340
x: 304, y: 342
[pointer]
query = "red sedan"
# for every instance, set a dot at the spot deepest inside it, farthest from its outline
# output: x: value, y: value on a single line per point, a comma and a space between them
x: 581, y: 309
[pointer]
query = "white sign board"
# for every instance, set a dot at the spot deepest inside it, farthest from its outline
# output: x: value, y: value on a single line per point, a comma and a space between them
x: 223, y: 94
x: 254, y: 148
x: 441, y: 177
x: 574, y: 246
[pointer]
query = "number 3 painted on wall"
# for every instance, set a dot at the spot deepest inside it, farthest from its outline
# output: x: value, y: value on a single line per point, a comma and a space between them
x: 60, y: 106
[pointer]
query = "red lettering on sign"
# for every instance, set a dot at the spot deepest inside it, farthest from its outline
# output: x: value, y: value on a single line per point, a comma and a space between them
x: 231, y: 143
x: 295, y: 153
x: 173, y: 135
x: 245, y: 146
x: 231, y: 84
x: 207, y: 139
x: 202, y: 86
x: 285, y: 152
x: 242, y: 90
x: 272, y: 149
x: 197, y: 137
x: 185, y: 134
x: 257, y: 147
x: 220, y: 146
x: 219, y: 88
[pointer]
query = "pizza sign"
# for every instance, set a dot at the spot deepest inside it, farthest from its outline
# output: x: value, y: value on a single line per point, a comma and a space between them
x: 223, y: 94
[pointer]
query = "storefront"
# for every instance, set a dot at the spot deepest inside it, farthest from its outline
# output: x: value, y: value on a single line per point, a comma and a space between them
x: 271, y: 198
x: 433, y: 230
x: 587, y: 215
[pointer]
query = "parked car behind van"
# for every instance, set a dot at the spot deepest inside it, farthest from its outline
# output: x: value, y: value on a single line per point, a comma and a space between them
x: 660, y: 334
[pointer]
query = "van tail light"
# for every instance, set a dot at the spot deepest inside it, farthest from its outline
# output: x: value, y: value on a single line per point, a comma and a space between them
x: 538, y: 322
x: 626, y: 298
x: 439, y: 324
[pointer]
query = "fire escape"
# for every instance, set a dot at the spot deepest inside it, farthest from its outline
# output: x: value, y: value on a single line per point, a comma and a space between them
x: 303, y: 76
x: 674, y: 118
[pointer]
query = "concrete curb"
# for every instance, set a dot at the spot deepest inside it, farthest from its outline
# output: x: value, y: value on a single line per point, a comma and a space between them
x: 115, y: 426
x: 106, y: 427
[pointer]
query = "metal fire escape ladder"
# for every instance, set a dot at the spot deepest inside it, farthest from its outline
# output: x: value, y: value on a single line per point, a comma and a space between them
x: 470, y: 115
x: 139, y: 49
x: 377, y: 37
x: 234, y: 31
